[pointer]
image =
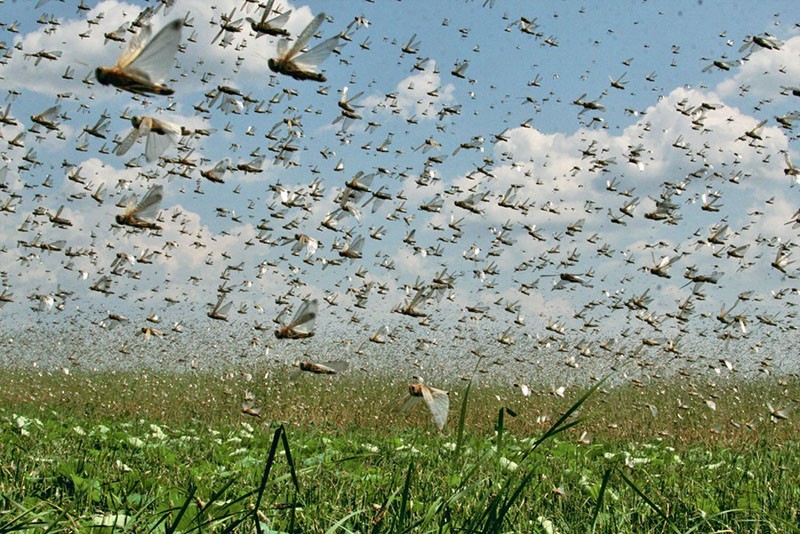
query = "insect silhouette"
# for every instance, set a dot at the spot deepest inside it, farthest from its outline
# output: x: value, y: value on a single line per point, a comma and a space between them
x: 160, y: 135
x: 302, y: 324
x: 303, y: 66
x: 437, y: 400
x: 143, y: 66
x: 140, y: 215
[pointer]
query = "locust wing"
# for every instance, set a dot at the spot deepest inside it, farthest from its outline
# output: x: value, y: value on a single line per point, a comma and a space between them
x: 151, y: 59
x: 130, y: 140
x: 147, y: 208
x: 438, y: 402
x: 303, y: 321
x: 157, y: 142
x: 279, y: 21
x: 310, y: 60
x: 304, y: 37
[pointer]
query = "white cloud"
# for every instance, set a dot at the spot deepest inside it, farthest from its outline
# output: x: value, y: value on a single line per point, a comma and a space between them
x: 560, y: 176
x: 83, y: 48
x: 764, y: 72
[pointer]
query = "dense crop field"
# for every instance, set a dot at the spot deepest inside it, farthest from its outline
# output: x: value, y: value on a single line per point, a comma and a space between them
x: 176, y: 453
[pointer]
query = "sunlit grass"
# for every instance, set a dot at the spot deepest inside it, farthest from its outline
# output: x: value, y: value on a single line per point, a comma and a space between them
x: 675, y: 410
x: 175, y: 453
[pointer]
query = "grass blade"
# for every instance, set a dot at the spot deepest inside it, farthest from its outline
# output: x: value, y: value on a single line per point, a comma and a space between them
x: 340, y: 524
x: 559, y: 425
x: 462, y: 415
x: 404, y: 498
x: 169, y: 529
x: 506, y: 500
x: 289, y: 459
x: 599, y: 504
x: 647, y: 499
x: 273, y: 449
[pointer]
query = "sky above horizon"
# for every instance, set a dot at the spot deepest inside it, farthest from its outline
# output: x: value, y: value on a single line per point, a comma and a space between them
x: 525, y: 200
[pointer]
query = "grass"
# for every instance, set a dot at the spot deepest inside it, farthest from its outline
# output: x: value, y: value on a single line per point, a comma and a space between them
x: 174, y: 453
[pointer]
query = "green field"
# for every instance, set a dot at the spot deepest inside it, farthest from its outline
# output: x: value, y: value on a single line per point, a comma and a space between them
x: 175, y: 453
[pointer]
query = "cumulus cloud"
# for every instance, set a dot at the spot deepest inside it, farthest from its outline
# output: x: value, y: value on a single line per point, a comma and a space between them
x: 83, y: 47
x: 764, y: 72
x: 534, y: 216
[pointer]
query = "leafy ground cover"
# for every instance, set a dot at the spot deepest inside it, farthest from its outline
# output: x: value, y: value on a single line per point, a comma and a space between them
x: 176, y: 453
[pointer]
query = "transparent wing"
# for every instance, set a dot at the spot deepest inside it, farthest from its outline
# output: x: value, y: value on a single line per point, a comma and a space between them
x: 314, y: 57
x: 267, y: 10
x: 381, y: 333
x: 129, y: 203
x: 145, y: 125
x: 338, y: 366
x: 224, y: 309
x: 355, y: 97
x: 158, y: 143
x: 50, y: 113
x: 148, y: 206
x: 279, y: 21
x: 311, y: 247
x: 281, y: 318
x: 407, y: 403
x: 355, y: 212
x: 306, y: 316
x: 357, y: 244
x: 438, y: 402
x: 222, y: 166
x: 306, y: 34
x: 155, y: 60
x: 128, y: 142
x: 257, y: 162
x: 295, y: 373
x: 364, y: 181
x: 297, y: 247
x: 135, y: 46
x: 282, y: 47
x: 349, y: 101
x: 216, y: 307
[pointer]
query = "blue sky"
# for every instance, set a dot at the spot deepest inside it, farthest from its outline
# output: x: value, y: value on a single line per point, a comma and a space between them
x: 515, y: 112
